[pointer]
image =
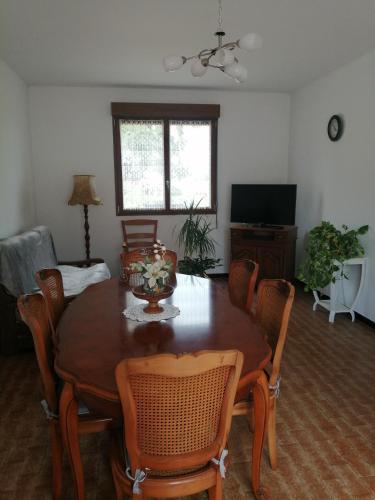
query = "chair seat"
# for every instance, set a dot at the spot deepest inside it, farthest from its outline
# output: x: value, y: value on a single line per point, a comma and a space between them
x: 170, y: 483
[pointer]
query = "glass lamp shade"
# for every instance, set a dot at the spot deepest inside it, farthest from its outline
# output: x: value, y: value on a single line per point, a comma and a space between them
x: 197, y: 68
x: 172, y: 63
x: 250, y: 41
x: 224, y: 57
x: 236, y: 71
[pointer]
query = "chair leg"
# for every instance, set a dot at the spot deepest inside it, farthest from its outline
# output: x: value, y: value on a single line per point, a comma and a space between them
x: 216, y: 492
x: 250, y: 419
x: 69, y: 431
x: 271, y: 429
x: 56, y: 452
x: 261, y: 406
x: 119, y: 491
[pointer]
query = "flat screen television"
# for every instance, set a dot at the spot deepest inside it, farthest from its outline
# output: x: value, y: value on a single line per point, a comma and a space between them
x: 264, y: 204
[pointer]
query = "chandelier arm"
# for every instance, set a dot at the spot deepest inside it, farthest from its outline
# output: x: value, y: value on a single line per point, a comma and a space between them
x: 206, y: 53
x: 214, y: 66
x: 230, y: 45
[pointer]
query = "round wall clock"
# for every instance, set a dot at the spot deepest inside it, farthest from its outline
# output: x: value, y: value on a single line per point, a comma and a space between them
x: 335, y: 127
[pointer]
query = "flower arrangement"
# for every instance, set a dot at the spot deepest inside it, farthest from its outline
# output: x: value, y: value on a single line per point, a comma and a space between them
x: 154, y: 269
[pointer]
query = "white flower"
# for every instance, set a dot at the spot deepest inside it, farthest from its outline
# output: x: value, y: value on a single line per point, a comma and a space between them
x: 156, y: 251
x: 163, y: 248
x: 157, y: 257
x: 158, y: 241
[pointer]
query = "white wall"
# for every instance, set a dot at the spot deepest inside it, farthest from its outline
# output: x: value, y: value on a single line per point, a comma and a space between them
x: 16, y: 182
x: 71, y: 132
x: 336, y: 181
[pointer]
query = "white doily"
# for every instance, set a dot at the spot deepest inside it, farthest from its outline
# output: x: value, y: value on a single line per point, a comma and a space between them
x: 137, y: 313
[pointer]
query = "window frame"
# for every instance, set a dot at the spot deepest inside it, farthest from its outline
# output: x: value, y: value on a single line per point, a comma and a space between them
x: 166, y: 113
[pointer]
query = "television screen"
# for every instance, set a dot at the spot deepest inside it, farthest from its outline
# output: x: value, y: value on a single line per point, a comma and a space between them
x: 264, y: 204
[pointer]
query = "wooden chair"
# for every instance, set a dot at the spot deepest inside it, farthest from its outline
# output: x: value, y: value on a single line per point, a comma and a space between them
x: 137, y: 240
x: 134, y: 277
x: 33, y: 311
x: 241, y: 282
x: 177, y: 416
x: 51, y: 284
x: 273, y: 307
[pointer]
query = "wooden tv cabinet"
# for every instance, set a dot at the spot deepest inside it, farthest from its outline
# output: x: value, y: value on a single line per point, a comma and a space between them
x: 273, y: 249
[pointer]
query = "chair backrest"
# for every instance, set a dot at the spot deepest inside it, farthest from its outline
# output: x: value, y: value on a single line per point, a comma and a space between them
x: 33, y: 311
x: 133, y: 276
x: 273, y: 306
x: 136, y: 239
x: 241, y: 282
x: 177, y: 409
x: 51, y: 284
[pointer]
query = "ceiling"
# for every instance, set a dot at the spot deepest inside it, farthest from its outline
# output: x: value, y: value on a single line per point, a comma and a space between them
x: 122, y: 42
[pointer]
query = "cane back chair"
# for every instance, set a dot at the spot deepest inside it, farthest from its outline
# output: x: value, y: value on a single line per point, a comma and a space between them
x: 136, y: 240
x: 273, y: 306
x: 241, y: 282
x: 51, y: 284
x: 177, y: 416
x: 33, y: 311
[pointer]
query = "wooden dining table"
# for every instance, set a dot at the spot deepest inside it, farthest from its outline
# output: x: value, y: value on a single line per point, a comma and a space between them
x: 93, y: 336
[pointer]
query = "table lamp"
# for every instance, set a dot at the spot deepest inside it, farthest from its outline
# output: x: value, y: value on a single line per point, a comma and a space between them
x: 84, y: 193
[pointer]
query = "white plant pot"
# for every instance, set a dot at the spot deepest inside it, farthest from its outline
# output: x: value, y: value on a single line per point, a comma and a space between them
x: 343, y: 300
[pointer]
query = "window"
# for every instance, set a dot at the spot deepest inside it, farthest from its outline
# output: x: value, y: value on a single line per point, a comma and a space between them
x: 165, y: 157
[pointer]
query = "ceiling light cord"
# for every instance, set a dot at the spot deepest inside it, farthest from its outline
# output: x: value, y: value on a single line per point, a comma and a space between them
x: 220, y: 15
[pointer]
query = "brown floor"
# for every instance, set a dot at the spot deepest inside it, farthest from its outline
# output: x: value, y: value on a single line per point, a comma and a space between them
x: 326, y: 422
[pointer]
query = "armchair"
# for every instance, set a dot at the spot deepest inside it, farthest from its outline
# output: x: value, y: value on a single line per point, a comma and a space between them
x: 21, y: 256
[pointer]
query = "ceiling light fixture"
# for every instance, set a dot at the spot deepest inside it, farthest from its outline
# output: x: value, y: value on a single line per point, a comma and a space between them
x: 221, y: 57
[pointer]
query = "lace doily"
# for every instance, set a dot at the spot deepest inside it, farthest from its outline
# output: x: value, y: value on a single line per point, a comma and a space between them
x: 137, y: 313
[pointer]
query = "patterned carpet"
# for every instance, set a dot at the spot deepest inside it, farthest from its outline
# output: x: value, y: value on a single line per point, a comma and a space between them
x: 326, y: 422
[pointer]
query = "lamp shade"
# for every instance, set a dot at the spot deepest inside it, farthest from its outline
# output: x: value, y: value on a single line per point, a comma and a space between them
x: 84, y: 192
x: 236, y: 71
x: 197, y: 68
x: 172, y: 63
x: 225, y: 57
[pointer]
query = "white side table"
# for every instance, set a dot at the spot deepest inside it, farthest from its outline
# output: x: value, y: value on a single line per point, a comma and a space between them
x: 335, y: 304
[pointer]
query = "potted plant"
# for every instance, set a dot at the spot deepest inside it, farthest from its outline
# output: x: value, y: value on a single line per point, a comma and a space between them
x: 327, y: 250
x: 199, y: 247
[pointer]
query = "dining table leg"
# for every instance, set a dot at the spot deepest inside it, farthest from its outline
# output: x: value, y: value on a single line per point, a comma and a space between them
x: 261, y: 408
x: 69, y: 432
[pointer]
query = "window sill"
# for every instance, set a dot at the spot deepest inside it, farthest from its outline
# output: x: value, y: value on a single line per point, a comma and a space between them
x: 165, y: 212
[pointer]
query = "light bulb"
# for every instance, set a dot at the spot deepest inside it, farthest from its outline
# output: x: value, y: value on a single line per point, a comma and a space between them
x: 197, y: 68
x: 171, y: 63
x: 250, y: 41
x: 225, y: 57
x: 236, y: 71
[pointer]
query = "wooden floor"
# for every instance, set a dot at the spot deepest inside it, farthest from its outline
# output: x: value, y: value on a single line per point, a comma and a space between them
x: 326, y: 422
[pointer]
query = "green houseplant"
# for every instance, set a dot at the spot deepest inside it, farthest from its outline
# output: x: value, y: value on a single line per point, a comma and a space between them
x: 198, y: 245
x: 327, y: 249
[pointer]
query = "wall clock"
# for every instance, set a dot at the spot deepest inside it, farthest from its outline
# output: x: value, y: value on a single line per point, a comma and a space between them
x: 335, y: 127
